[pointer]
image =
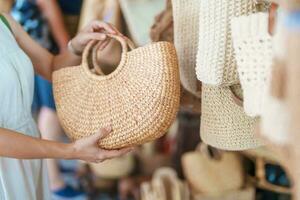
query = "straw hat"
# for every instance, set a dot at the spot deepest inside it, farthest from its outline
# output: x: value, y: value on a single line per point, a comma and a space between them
x: 139, y: 100
x: 224, y: 124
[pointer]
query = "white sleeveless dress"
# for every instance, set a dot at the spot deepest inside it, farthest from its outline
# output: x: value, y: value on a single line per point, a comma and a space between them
x: 19, y: 179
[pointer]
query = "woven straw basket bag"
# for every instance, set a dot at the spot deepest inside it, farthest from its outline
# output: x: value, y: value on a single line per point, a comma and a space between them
x: 209, y: 175
x: 254, y: 53
x: 224, y: 124
x: 216, y: 64
x: 186, y: 28
x: 139, y: 100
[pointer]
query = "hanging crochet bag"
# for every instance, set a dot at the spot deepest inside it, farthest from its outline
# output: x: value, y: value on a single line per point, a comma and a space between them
x: 254, y: 53
x: 216, y: 63
x: 139, y: 100
x: 224, y: 124
x: 186, y: 28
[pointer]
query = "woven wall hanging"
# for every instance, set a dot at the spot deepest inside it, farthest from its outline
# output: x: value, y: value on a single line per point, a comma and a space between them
x: 139, y: 100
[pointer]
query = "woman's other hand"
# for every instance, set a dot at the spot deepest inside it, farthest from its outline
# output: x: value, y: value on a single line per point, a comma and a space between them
x: 96, y: 30
x: 87, y: 149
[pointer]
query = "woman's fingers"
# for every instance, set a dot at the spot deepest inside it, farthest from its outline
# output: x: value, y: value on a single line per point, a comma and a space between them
x: 109, y: 154
x: 104, y: 44
x: 95, y: 36
x: 99, y: 25
x: 102, y: 133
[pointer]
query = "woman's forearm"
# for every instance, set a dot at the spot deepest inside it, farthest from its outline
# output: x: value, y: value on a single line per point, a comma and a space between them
x: 66, y: 59
x: 16, y: 145
x: 54, y: 16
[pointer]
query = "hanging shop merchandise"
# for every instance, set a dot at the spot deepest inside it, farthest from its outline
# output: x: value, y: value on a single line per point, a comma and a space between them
x: 163, y: 30
x: 216, y: 64
x: 186, y: 28
x: 139, y: 100
x: 253, y: 50
x: 224, y: 124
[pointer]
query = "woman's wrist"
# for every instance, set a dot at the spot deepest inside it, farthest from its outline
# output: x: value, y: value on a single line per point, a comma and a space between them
x: 73, y: 49
x: 69, y: 151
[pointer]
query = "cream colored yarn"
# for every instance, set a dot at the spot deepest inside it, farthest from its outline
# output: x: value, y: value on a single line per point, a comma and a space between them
x: 139, y: 100
x: 215, y: 60
x: 186, y: 28
x: 254, y: 53
x: 224, y: 124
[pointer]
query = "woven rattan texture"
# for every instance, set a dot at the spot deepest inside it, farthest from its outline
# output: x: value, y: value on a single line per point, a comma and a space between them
x: 216, y: 64
x: 139, y: 100
x: 186, y: 28
x: 254, y: 53
x: 224, y: 124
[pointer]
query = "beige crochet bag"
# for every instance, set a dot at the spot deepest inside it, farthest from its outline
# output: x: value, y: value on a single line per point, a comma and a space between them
x: 213, y: 175
x: 254, y: 53
x: 186, y: 28
x: 216, y: 64
x: 139, y: 100
x: 224, y: 124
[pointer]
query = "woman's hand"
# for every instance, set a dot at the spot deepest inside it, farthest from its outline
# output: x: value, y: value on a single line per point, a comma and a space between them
x: 87, y: 149
x: 96, y: 30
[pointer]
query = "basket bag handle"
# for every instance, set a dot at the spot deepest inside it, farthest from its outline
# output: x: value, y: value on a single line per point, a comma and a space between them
x: 237, y: 100
x: 89, y: 57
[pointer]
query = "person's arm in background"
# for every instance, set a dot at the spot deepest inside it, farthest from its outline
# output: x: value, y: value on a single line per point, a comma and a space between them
x: 46, y: 63
x: 51, y: 11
